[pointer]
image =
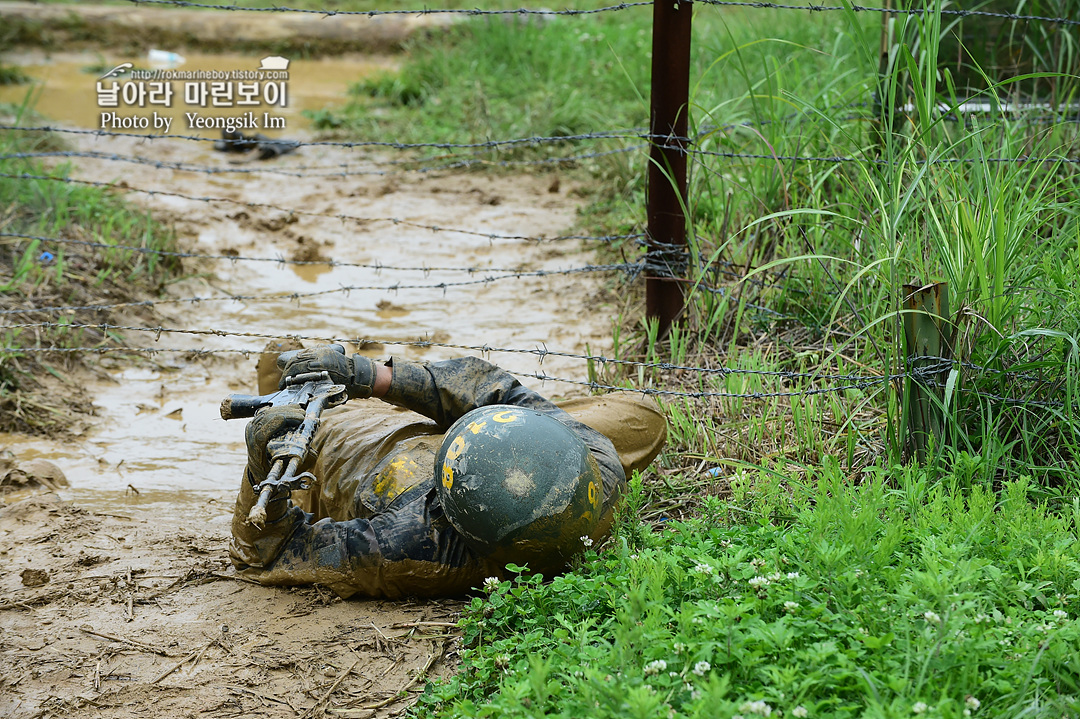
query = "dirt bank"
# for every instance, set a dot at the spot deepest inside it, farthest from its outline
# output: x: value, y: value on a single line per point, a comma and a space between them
x: 127, y: 28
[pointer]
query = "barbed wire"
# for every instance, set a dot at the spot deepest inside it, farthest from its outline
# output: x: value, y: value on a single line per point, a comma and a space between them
x: 485, y: 145
x: 629, y: 269
x: 377, y: 13
x: 925, y: 373
x: 891, y: 11
x: 540, y: 352
x: 609, y: 8
x: 377, y: 266
x: 491, y: 236
x: 841, y: 159
x: 301, y: 171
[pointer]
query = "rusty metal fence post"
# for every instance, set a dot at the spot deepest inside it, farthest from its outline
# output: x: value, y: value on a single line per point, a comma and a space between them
x: 666, y: 192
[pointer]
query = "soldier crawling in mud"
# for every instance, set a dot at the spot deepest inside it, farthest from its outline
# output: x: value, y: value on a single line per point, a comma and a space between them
x: 459, y: 471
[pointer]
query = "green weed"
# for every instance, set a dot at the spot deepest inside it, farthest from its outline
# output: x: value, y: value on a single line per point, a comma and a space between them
x: 892, y: 598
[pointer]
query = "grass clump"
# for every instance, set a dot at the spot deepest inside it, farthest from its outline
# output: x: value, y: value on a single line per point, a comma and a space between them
x: 36, y: 273
x: 894, y: 598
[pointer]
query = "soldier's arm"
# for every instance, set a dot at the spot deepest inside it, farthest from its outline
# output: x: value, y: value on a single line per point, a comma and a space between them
x: 405, y: 551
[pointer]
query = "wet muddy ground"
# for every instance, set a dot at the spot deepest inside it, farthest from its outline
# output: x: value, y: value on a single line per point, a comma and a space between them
x: 117, y: 598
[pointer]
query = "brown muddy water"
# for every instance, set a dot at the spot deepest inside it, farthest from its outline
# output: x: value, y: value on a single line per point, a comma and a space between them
x: 64, y: 85
x: 158, y: 444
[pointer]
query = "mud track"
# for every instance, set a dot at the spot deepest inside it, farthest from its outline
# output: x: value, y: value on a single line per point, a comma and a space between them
x: 117, y: 599
x: 78, y: 25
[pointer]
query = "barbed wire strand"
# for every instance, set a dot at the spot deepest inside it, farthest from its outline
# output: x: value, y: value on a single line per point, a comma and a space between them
x: 329, y: 262
x: 297, y: 296
x: 490, y: 236
x: 303, y: 171
x: 932, y: 366
x: 856, y: 382
x: 486, y: 145
x: 892, y: 11
x: 609, y: 8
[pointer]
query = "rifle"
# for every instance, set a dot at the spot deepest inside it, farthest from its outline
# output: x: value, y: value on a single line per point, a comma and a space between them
x: 312, y: 392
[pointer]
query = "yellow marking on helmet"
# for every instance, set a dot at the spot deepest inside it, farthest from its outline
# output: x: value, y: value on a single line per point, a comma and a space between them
x: 594, y: 496
x: 447, y: 476
x: 475, y: 427
x: 504, y: 417
x: 456, y: 448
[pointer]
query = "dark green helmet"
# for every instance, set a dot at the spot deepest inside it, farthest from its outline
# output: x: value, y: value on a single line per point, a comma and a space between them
x: 519, y: 485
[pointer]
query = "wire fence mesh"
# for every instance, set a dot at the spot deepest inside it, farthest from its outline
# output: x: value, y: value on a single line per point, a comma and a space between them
x: 651, y: 263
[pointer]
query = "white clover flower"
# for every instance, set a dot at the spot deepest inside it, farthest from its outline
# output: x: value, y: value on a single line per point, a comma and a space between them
x: 701, y: 667
x: 655, y: 667
x: 967, y: 712
x: 919, y: 707
x: 673, y: 674
x: 791, y: 607
x: 758, y: 582
x: 792, y: 575
x: 799, y: 712
x: 1061, y: 615
x: 932, y: 617
x: 491, y: 584
x: 688, y: 686
x: 725, y: 543
x: 980, y: 618
x: 695, y: 695
x: 758, y: 707
x: 679, y: 647
x: 702, y: 568
x: 972, y: 703
x: 757, y: 563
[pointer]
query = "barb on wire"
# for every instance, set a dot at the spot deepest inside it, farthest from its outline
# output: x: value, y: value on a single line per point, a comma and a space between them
x: 486, y: 145
x: 628, y: 268
x: 491, y: 236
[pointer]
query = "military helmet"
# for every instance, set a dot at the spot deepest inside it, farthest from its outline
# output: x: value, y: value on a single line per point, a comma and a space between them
x: 519, y: 485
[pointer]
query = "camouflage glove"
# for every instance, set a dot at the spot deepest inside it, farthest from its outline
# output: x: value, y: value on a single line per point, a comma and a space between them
x: 357, y: 373
x: 265, y: 426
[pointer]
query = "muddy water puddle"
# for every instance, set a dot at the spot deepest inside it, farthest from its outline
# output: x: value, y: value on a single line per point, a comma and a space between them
x: 422, y: 266
x: 64, y: 87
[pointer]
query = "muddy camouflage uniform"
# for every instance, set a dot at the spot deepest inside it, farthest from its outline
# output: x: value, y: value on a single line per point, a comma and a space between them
x: 373, y: 525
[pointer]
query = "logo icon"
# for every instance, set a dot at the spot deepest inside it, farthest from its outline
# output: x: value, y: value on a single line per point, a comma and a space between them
x: 117, y: 71
x: 274, y: 62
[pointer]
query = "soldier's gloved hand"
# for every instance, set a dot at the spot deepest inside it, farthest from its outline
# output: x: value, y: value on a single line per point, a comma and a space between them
x: 357, y: 373
x: 266, y: 425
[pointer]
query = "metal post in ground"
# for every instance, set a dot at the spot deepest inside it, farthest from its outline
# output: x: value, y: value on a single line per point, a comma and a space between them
x: 666, y: 193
